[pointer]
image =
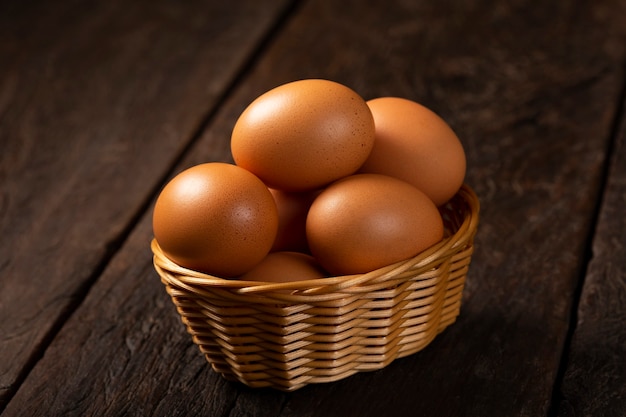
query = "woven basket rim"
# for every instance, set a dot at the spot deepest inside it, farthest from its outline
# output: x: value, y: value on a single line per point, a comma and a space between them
x: 423, y: 261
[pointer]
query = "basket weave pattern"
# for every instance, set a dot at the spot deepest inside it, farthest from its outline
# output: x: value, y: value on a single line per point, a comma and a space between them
x: 287, y: 335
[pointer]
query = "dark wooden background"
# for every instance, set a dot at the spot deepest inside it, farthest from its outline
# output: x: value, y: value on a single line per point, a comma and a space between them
x: 102, y: 101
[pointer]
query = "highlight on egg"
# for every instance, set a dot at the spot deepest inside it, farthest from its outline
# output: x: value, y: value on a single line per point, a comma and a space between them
x: 216, y: 218
x: 304, y: 134
x: 366, y: 221
x: 416, y: 145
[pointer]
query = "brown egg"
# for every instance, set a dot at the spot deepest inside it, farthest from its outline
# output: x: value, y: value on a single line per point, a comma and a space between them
x: 304, y: 134
x: 366, y: 221
x: 414, y: 144
x: 293, y: 208
x: 216, y: 218
x: 285, y: 267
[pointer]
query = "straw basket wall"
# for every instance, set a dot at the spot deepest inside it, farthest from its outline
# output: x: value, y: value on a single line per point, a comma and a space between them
x: 287, y: 335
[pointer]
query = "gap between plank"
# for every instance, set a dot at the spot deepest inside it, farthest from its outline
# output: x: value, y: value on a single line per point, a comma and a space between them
x: 112, y: 247
x: 619, y: 120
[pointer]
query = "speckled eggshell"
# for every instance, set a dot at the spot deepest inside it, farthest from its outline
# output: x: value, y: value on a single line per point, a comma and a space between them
x: 304, y: 134
x: 285, y: 267
x: 416, y: 145
x: 366, y: 221
x: 215, y: 218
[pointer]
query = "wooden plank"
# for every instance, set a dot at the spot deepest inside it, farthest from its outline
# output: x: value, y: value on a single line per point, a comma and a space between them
x: 97, y: 102
x: 595, y: 379
x: 534, y: 113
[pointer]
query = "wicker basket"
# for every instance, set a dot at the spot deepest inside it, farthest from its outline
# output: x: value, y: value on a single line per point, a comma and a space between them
x: 287, y: 335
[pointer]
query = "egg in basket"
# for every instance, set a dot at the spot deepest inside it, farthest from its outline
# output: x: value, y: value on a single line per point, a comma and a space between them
x: 338, y: 241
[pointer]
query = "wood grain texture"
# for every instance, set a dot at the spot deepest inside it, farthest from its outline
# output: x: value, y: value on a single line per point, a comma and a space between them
x: 97, y: 101
x: 595, y: 379
x: 531, y: 89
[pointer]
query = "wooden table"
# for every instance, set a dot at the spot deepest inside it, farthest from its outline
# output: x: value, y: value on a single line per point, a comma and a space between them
x: 102, y: 101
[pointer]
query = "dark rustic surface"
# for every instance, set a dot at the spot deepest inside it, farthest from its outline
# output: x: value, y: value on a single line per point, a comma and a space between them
x: 101, y: 101
x: 97, y: 101
x: 594, y: 383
